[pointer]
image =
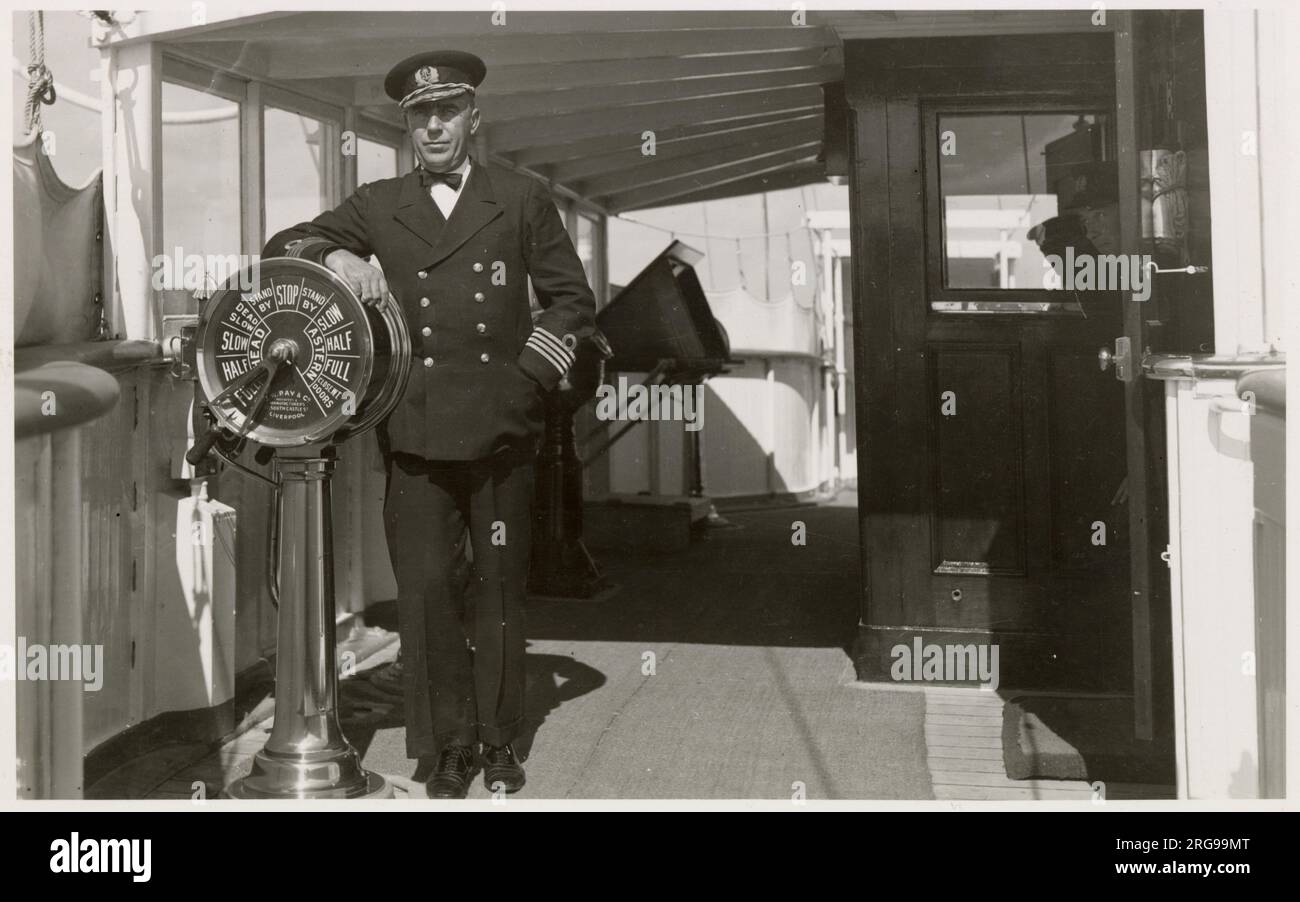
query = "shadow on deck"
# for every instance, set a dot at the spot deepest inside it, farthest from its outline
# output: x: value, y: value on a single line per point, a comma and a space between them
x: 722, y: 671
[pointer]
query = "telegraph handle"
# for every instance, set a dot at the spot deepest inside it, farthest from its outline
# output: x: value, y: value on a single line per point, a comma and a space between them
x: 203, y: 446
x: 272, y: 365
x: 267, y: 366
x: 280, y: 354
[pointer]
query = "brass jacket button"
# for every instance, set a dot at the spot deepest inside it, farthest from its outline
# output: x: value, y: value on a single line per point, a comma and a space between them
x: 422, y: 274
x: 480, y: 296
x: 428, y: 361
x: 484, y: 357
x: 481, y: 327
x: 426, y: 331
x: 424, y: 302
x: 478, y: 267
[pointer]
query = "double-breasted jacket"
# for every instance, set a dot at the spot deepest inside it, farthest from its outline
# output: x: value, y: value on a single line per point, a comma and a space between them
x: 480, y: 363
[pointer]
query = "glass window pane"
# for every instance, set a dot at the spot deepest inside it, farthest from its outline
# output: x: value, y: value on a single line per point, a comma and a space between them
x: 201, y: 196
x: 296, y: 183
x: 1016, y: 187
x: 586, y: 246
x: 375, y: 161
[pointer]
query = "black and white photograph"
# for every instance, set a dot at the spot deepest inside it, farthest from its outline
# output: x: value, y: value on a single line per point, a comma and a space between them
x: 761, y: 406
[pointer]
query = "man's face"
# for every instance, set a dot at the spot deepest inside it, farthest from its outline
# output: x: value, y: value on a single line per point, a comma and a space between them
x: 1101, y: 225
x: 440, y: 131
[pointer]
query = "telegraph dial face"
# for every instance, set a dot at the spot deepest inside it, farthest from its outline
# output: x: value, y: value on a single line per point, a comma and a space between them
x: 300, y: 318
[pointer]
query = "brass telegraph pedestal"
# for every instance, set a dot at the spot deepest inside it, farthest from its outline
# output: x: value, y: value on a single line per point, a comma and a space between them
x: 307, y: 755
x: 289, y: 358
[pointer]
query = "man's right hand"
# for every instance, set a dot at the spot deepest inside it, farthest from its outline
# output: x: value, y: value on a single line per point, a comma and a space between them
x: 364, y: 279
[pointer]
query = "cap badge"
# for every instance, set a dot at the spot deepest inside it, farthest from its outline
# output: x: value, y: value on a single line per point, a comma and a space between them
x: 427, y: 75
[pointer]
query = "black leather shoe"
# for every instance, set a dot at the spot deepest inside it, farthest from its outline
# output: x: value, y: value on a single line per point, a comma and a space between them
x: 453, y: 773
x: 501, y: 769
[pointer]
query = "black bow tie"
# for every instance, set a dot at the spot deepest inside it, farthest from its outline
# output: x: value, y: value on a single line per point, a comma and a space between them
x: 451, y: 179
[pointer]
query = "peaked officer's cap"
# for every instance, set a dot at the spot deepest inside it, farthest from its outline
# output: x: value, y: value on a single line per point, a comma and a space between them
x: 434, y: 75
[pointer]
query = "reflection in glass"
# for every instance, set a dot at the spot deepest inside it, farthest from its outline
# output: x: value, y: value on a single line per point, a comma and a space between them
x: 1018, y: 187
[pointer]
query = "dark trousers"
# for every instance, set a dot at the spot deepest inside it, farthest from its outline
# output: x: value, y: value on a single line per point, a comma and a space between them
x: 464, y: 676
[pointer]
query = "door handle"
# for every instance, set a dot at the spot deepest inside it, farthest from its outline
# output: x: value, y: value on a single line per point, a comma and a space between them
x: 1121, y: 359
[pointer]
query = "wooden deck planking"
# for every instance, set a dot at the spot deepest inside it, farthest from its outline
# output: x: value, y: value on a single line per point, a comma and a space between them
x: 965, y: 765
x: 963, y: 734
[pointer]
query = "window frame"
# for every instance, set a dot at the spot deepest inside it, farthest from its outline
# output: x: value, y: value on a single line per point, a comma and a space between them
x: 255, y: 94
x: 331, y: 118
x: 575, y: 209
x: 196, y: 77
x: 1036, y: 302
x: 186, y: 74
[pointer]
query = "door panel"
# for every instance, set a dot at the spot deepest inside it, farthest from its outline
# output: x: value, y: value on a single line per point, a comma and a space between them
x: 1085, y: 405
x: 993, y: 444
x: 978, y: 480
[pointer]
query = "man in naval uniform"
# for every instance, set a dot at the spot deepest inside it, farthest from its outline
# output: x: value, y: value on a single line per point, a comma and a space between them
x: 458, y: 242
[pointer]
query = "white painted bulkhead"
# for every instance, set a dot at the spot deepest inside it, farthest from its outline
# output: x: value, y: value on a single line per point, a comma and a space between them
x: 1226, y: 455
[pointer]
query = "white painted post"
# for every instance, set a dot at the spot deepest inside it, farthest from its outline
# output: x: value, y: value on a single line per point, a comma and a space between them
x: 1279, y: 166
x: 827, y: 427
x: 252, y: 185
x: 1253, y: 157
x: 107, y: 117
x: 350, y: 477
x: 1231, y: 111
x: 769, y: 437
x: 841, y: 372
x: 135, y: 222
x: 349, y: 160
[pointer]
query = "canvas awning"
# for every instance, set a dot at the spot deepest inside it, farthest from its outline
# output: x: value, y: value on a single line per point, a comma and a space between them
x: 733, y: 98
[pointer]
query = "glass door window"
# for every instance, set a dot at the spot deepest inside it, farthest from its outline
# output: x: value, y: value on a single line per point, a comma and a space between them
x: 1018, y: 197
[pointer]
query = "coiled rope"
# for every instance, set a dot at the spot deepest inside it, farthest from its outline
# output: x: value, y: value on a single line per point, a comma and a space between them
x: 40, y: 81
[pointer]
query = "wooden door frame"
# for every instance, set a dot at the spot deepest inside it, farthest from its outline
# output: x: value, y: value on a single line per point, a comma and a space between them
x: 882, y: 99
x: 1144, y: 424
